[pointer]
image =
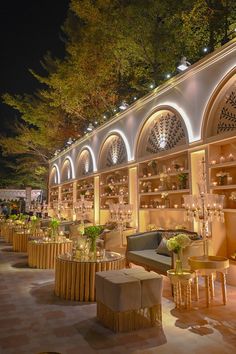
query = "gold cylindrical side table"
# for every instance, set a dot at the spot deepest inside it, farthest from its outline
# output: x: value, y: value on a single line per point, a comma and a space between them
x: 182, y: 287
x: 75, y: 278
x: 208, y: 266
x: 42, y: 254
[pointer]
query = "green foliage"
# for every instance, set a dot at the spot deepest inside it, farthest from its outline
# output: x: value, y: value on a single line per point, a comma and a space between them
x: 93, y: 231
x: 114, y: 50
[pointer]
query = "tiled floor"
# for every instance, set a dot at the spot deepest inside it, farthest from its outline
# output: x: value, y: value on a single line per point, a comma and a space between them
x: 33, y: 320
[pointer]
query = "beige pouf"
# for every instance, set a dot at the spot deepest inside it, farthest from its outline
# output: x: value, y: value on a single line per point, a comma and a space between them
x: 128, y: 299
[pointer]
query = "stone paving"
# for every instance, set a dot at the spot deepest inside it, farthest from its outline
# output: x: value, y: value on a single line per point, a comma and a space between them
x: 34, y: 320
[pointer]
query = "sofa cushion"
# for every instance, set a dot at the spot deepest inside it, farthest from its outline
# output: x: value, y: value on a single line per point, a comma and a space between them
x: 151, y: 259
x: 163, y: 249
x: 145, y: 240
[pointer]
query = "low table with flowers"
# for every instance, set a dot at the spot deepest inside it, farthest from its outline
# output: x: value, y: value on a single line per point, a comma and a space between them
x: 75, y: 275
x: 181, y: 279
x: 20, y: 240
x: 42, y: 253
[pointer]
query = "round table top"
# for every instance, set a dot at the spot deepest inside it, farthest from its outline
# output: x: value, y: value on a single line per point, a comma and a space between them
x: 43, y: 242
x: 186, y: 274
x: 208, y: 262
x: 108, y: 257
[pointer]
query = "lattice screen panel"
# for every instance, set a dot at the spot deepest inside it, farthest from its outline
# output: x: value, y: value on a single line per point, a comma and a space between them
x: 165, y: 133
x: 85, y: 165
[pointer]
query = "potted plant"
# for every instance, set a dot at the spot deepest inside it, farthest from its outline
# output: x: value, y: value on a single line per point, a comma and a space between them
x: 92, y: 232
x: 182, y: 178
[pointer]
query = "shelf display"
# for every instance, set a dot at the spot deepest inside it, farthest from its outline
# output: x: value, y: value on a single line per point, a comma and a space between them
x: 222, y: 171
x: 67, y: 195
x: 53, y: 196
x: 85, y: 189
x: 112, y: 186
x: 163, y: 182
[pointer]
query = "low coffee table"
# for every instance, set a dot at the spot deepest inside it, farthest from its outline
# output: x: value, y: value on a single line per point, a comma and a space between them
x: 75, y: 277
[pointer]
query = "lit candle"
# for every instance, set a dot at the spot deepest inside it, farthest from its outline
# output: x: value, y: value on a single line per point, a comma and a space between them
x: 222, y: 159
x: 213, y: 162
x: 175, y: 206
x: 214, y: 184
x: 231, y: 157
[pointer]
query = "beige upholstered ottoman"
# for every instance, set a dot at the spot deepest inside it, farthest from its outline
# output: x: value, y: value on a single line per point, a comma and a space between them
x: 128, y: 299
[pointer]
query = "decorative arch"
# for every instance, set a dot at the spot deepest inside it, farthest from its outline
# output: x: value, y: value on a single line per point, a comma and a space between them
x: 220, y: 114
x: 68, y: 171
x: 84, y: 163
x: 162, y: 131
x: 54, y: 177
x: 114, y: 150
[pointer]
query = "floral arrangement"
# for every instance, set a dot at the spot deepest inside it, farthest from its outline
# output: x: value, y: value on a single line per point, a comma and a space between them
x: 163, y: 176
x: 164, y: 195
x: 178, y: 242
x: 13, y: 217
x: 233, y: 196
x: 92, y: 232
x: 54, y: 225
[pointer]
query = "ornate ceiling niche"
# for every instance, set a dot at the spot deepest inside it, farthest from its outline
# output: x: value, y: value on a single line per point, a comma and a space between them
x: 53, y: 180
x: 163, y: 131
x: 113, y: 152
x: 66, y: 173
x: 222, y: 116
x: 85, y: 163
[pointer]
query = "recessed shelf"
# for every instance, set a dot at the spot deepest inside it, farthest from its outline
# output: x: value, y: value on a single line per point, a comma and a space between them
x: 228, y: 186
x: 177, y: 191
x: 171, y: 174
x: 223, y: 164
x: 162, y: 209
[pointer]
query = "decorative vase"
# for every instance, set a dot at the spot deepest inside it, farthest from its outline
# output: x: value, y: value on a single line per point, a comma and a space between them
x: 93, y: 247
x: 178, y: 265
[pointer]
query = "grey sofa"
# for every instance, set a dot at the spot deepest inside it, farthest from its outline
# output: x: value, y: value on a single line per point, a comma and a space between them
x: 142, y: 250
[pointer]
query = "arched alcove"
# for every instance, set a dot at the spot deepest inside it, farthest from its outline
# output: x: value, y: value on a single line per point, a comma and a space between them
x: 113, y: 152
x: 84, y: 163
x: 162, y: 131
x: 54, y: 177
x: 220, y: 116
x: 67, y: 171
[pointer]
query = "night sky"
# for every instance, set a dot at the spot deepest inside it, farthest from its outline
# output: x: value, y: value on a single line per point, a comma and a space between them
x: 28, y: 29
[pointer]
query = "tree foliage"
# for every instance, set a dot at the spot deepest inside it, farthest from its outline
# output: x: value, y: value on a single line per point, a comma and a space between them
x: 114, y: 50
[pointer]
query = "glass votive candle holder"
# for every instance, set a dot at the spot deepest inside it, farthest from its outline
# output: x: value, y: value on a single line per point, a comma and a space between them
x: 231, y: 157
x: 222, y: 159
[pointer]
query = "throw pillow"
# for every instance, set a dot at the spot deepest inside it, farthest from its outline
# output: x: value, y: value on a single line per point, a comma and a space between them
x: 162, y: 248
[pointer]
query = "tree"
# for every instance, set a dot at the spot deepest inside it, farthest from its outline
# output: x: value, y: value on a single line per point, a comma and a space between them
x: 114, y: 50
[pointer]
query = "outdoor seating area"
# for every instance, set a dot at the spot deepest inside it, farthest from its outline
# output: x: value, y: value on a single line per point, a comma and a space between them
x: 130, y: 245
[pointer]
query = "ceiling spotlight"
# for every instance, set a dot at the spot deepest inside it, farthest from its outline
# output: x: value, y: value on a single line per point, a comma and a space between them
x: 96, y: 122
x: 168, y: 76
x: 114, y: 110
x: 123, y: 105
x: 152, y: 86
x: 135, y: 98
x: 184, y: 64
x: 205, y: 49
x: 90, y: 127
x: 104, y: 116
